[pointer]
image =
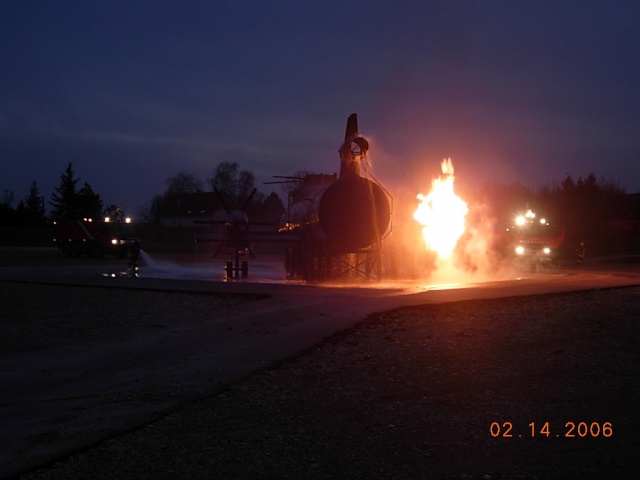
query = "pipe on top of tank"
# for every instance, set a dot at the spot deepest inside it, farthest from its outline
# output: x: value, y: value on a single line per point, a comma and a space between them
x: 353, y: 150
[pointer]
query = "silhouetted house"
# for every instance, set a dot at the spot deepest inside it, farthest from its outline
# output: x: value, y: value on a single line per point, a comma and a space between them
x: 194, y: 210
x: 622, y: 230
x: 187, y: 210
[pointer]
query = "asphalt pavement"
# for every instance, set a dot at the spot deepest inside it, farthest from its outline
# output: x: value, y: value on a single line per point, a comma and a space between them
x: 99, y: 391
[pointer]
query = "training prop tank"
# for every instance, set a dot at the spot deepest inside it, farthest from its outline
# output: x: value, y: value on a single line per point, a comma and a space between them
x: 339, y: 222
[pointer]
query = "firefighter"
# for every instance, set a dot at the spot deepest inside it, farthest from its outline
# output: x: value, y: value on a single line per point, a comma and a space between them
x: 580, y: 251
x: 134, y: 253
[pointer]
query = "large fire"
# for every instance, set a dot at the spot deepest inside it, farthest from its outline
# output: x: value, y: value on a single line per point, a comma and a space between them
x: 442, y: 213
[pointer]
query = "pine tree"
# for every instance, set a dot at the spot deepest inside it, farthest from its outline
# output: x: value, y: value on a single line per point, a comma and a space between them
x: 89, y: 202
x: 7, y: 212
x: 64, y: 201
x: 31, y: 209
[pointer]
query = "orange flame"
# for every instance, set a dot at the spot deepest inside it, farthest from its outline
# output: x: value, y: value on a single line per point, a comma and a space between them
x: 442, y: 213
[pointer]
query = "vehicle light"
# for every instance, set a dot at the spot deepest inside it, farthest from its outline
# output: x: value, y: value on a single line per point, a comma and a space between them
x: 114, y: 241
x: 546, y: 250
x: 520, y: 250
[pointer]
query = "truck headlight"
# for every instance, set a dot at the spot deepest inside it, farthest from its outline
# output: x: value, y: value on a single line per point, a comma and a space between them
x: 520, y: 250
x: 546, y: 250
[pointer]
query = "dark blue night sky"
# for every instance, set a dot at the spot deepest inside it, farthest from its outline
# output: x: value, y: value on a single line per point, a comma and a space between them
x: 133, y: 92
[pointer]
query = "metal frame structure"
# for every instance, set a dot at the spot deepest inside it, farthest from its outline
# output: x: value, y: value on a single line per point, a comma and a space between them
x: 314, y: 262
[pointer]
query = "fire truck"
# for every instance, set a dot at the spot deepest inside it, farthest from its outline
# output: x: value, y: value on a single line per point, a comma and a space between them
x: 534, y: 239
x: 93, y: 238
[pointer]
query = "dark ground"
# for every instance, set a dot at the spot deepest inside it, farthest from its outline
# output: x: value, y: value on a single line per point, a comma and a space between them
x: 413, y: 393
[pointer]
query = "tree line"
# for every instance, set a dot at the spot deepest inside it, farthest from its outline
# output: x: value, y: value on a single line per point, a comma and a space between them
x: 67, y: 202
x: 234, y: 187
x: 583, y: 206
x: 71, y: 202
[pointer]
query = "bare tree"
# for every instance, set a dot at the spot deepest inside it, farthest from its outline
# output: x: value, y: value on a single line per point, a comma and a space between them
x: 183, y: 182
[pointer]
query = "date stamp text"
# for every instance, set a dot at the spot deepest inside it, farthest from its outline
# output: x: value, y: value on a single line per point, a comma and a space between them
x: 546, y: 429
